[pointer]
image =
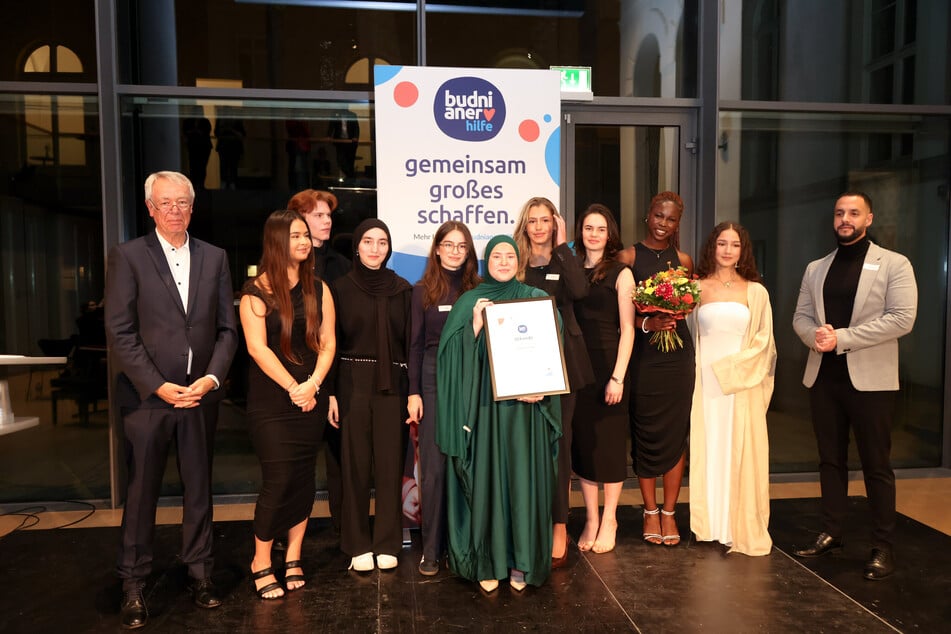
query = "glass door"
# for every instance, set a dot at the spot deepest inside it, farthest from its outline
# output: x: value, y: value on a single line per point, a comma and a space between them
x: 622, y: 159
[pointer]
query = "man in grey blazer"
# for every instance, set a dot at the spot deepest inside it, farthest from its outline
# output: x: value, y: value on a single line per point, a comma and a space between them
x: 170, y: 327
x: 853, y: 306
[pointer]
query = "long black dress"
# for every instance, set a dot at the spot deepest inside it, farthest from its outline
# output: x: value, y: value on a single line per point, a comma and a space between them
x: 285, y: 438
x: 662, y: 384
x: 600, y: 430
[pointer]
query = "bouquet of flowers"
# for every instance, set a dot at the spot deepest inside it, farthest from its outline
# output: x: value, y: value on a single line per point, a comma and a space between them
x: 672, y: 292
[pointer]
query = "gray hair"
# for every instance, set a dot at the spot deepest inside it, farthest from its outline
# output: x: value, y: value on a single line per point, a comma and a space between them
x: 176, y: 177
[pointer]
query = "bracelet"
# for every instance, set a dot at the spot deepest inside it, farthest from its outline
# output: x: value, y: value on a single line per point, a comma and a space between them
x: 617, y: 380
x: 644, y: 326
x: 290, y: 385
x: 310, y: 377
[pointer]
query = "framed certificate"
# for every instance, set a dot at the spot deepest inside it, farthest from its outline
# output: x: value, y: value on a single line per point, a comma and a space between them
x: 525, y: 353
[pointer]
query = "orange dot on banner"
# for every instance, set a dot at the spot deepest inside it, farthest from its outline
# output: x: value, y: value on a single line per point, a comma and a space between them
x: 528, y: 130
x: 405, y: 94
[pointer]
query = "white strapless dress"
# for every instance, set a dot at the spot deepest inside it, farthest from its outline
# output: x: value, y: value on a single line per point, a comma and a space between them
x: 722, y: 327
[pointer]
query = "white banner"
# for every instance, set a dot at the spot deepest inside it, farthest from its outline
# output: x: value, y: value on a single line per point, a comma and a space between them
x: 470, y: 145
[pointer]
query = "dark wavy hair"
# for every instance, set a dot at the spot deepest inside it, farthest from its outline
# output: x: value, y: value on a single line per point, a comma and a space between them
x: 745, y: 266
x: 435, y: 280
x: 275, y: 259
x: 612, y: 247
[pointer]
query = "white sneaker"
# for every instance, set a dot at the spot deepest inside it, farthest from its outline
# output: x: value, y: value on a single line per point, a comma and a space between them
x: 386, y: 562
x: 362, y: 563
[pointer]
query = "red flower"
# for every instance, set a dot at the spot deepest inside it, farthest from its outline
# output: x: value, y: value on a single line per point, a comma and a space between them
x: 664, y: 290
x: 687, y: 299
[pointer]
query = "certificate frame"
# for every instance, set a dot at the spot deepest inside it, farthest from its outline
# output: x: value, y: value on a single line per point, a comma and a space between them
x: 526, y: 356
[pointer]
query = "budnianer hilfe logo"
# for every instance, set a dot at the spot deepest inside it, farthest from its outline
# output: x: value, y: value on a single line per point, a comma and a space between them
x: 469, y: 109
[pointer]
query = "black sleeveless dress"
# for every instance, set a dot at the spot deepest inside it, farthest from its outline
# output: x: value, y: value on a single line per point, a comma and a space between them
x: 661, y: 384
x: 600, y: 430
x: 285, y: 438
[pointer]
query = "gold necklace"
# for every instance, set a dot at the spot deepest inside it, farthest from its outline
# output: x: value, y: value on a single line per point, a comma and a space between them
x: 729, y: 282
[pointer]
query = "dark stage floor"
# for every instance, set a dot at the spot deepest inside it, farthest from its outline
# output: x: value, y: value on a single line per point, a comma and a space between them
x: 62, y: 581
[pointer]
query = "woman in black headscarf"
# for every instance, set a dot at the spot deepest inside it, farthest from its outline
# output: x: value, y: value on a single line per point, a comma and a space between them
x: 368, y: 404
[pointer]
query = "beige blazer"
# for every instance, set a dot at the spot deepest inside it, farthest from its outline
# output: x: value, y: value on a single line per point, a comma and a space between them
x: 886, y: 303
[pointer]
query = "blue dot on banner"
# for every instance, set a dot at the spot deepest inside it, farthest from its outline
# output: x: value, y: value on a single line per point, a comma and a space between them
x: 547, y: 118
x: 383, y: 74
x: 553, y: 156
x: 410, y: 267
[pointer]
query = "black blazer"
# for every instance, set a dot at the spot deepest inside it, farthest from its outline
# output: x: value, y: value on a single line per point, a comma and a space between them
x: 569, y: 286
x: 147, y: 329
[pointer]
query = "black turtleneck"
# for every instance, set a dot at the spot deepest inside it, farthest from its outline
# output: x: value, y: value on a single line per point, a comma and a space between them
x: 329, y: 264
x: 838, y: 296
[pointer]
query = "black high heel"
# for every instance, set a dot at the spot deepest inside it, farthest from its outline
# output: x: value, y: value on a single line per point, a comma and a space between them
x: 289, y: 578
x: 260, y: 574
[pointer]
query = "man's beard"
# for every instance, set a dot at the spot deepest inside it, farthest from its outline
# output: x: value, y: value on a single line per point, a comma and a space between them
x: 856, y: 235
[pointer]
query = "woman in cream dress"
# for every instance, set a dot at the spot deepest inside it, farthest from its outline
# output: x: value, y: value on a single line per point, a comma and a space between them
x: 736, y: 361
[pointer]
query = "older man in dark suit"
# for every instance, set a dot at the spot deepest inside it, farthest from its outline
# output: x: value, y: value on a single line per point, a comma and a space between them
x: 853, y: 306
x: 171, y: 331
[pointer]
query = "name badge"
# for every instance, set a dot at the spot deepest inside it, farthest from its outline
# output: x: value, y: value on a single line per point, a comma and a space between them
x: 868, y: 266
x: 553, y: 277
x: 445, y: 308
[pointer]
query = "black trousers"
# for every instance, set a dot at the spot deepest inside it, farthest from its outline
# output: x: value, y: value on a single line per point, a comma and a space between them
x: 837, y: 406
x: 432, y: 467
x: 371, y: 427
x: 332, y: 442
x: 148, y: 435
x: 210, y: 411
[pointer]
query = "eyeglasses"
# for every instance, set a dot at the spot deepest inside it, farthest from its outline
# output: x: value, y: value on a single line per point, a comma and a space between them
x: 462, y: 247
x: 166, y: 205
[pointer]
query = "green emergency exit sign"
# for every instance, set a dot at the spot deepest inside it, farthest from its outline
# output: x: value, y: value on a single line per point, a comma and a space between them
x: 575, y: 81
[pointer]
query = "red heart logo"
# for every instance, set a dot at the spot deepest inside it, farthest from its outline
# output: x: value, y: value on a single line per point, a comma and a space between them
x: 488, y: 114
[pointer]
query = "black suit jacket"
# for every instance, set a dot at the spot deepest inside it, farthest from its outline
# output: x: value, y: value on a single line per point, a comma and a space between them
x: 569, y: 285
x: 148, y: 331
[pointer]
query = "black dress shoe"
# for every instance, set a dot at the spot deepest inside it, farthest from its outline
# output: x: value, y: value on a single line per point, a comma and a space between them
x: 881, y: 563
x: 204, y: 593
x: 428, y: 567
x: 133, y: 614
x: 824, y: 544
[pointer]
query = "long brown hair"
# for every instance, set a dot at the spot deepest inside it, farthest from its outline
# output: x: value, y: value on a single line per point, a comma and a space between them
x: 435, y: 280
x: 521, y: 232
x: 611, y: 248
x: 745, y: 266
x: 275, y: 259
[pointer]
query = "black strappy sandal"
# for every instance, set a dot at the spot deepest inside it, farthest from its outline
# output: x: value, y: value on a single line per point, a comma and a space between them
x: 260, y: 574
x: 289, y: 578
